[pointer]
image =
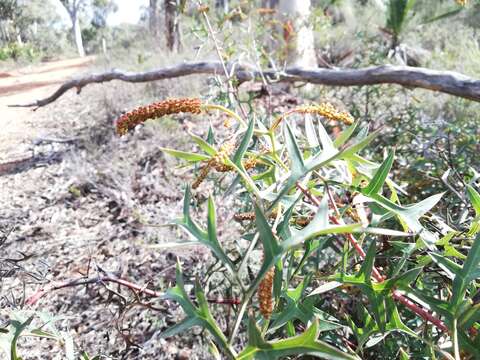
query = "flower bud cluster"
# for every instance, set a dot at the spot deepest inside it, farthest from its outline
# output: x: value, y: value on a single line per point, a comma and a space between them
x: 139, y: 115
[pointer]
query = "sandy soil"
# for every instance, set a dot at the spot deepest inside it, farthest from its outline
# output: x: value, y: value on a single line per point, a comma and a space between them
x: 70, y: 218
x: 22, y: 125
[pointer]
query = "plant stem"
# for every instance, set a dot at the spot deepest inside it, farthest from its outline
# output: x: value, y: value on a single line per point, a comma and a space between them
x: 241, y: 312
x: 456, y: 351
x: 271, y: 134
x: 247, y: 297
x: 252, y: 245
x: 226, y: 111
x: 230, y: 89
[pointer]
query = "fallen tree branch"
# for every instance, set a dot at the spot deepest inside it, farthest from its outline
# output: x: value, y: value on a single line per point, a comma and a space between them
x: 448, y: 82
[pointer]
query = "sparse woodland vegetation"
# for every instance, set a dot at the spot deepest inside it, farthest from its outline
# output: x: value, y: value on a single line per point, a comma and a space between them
x: 241, y: 180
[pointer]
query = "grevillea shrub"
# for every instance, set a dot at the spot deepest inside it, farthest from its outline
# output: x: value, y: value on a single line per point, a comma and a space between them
x: 347, y: 269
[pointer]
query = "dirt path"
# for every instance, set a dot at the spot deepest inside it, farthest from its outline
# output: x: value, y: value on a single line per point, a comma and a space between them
x: 18, y: 126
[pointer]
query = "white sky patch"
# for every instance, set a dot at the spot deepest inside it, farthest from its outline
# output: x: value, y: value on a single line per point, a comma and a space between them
x: 128, y: 12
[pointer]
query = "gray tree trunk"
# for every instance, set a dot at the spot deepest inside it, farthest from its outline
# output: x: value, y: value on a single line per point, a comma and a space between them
x: 18, y: 36
x: 77, y: 34
x: 153, y: 18
x: 73, y: 8
x: 298, y: 32
x: 222, y: 4
x: 172, y: 26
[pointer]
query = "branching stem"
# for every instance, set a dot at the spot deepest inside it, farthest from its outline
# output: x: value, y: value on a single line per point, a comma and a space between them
x: 396, y: 294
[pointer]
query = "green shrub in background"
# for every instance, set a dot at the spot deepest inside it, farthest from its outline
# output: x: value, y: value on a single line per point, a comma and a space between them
x: 18, y: 52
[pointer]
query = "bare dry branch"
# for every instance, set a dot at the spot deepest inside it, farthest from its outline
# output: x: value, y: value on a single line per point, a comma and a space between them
x: 27, y: 163
x: 448, y: 82
x: 33, y: 299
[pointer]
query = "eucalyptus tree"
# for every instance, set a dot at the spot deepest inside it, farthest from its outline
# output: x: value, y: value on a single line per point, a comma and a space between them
x: 73, y: 8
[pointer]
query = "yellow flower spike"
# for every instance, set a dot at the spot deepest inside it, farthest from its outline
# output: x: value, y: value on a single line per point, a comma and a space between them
x: 326, y: 110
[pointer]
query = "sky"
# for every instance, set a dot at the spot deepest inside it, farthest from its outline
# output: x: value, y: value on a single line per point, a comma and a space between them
x: 128, y: 12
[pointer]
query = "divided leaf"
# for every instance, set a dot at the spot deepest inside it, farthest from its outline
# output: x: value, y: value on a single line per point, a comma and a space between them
x: 303, y: 344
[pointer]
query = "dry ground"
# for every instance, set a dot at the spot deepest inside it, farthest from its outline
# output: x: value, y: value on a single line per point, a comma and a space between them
x: 22, y: 125
x: 69, y: 218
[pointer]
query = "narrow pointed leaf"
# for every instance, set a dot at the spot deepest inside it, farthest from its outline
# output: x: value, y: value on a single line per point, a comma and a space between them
x: 375, y: 185
x: 179, y: 294
x: 296, y: 157
x: 446, y: 264
x: 368, y: 262
x: 345, y: 135
x: 310, y: 132
x: 318, y: 161
x: 468, y: 273
x: 188, y: 156
x: 474, y: 197
x: 271, y: 248
x: 205, y: 146
x: 327, y: 144
x: 210, y: 136
x: 187, y: 223
x: 419, y: 209
x: 352, y: 150
x: 240, y: 153
x: 212, y: 240
x: 181, y: 327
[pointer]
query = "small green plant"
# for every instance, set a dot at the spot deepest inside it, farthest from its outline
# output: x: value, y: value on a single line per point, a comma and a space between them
x: 31, y: 324
x: 346, y: 271
x: 398, y: 14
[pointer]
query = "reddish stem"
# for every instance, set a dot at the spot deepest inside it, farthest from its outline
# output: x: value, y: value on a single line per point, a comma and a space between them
x: 376, y: 274
x: 419, y: 310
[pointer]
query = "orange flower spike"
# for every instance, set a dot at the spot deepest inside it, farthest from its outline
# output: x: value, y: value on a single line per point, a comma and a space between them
x: 203, y: 174
x: 265, y: 300
x: 244, y: 216
x: 139, y: 115
x: 217, y: 162
x: 250, y: 163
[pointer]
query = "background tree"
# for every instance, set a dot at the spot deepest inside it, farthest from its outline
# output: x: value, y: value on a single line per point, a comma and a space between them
x: 97, y: 31
x: 153, y: 18
x: 101, y: 10
x: 73, y: 8
x: 10, y: 12
x: 172, y: 26
x: 298, y: 32
x: 222, y: 4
